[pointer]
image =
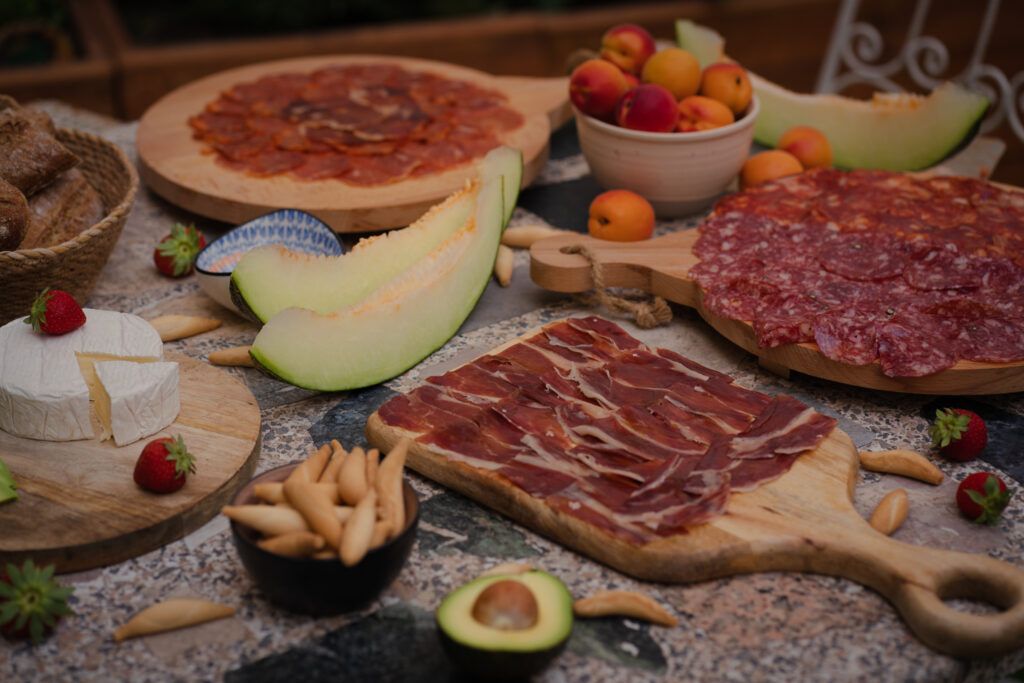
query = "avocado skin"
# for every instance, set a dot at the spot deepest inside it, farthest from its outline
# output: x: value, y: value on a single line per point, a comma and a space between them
x: 489, y: 665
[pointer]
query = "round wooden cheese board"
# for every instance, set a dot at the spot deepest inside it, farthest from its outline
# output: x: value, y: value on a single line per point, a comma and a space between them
x: 661, y: 266
x: 78, y: 505
x: 175, y: 166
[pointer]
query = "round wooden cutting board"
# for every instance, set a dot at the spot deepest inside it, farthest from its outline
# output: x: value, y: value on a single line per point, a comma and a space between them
x: 175, y: 166
x: 661, y: 266
x: 78, y: 505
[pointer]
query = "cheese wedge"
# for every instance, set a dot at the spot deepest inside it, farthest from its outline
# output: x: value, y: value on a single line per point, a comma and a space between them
x: 136, y: 399
x: 44, y: 392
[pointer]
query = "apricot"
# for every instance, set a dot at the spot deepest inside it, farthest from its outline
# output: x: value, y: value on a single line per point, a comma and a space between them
x: 648, y: 107
x: 728, y: 83
x: 627, y: 46
x: 620, y: 216
x: 675, y: 69
x: 767, y: 166
x: 703, y: 113
x: 596, y: 86
x: 807, y: 144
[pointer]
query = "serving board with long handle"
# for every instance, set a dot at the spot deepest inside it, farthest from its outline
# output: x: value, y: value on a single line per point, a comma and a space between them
x: 79, y: 506
x: 175, y: 166
x: 661, y: 266
x: 803, y: 521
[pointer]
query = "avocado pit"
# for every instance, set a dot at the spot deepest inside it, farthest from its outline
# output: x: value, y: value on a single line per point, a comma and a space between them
x: 507, y: 605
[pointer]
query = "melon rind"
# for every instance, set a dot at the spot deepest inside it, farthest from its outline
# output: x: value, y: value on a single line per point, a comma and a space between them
x: 406, y: 319
x: 893, y: 132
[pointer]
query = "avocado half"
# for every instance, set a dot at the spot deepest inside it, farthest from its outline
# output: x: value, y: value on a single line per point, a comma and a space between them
x: 501, y: 654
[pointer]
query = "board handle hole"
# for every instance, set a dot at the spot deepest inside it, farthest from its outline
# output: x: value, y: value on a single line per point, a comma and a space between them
x: 975, y: 591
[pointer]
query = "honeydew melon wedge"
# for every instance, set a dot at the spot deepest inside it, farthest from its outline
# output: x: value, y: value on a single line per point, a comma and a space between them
x: 892, y: 131
x: 270, y: 279
x: 407, y: 318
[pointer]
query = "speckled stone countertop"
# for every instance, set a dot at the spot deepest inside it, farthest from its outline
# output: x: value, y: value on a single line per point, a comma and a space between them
x: 763, y: 627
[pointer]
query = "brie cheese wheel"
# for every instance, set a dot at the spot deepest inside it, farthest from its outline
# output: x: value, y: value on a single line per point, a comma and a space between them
x: 135, y: 400
x: 44, y: 392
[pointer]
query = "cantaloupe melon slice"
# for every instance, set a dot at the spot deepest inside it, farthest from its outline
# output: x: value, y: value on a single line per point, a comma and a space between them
x: 408, y: 317
x: 894, y: 132
x: 270, y: 279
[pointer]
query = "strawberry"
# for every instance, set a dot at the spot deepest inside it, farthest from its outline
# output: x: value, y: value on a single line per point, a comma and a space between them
x: 163, y: 465
x: 31, y: 602
x: 959, y: 434
x: 55, y: 312
x: 176, y: 252
x: 982, y: 497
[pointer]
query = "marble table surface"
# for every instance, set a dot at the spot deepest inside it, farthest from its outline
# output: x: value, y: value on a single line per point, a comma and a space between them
x: 762, y: 627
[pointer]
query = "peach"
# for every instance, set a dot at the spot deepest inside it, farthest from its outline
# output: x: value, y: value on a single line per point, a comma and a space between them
x: 675, y: 69
x: 596, y: 86
x: 703, y: 113
x: 648, y: 107
x: 807, y: 144
x: 728, y: 83
x: 766, y: 166
x: 621, y: 216
x: 627, y: 46
x: 631, y: 80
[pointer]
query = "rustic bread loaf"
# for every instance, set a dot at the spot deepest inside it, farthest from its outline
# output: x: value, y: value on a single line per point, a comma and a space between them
x: 61, y: 211
x: 14, y: 216
x: 30, y: 156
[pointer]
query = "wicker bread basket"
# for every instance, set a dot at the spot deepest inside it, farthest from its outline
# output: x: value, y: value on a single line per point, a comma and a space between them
x: 73, y: 265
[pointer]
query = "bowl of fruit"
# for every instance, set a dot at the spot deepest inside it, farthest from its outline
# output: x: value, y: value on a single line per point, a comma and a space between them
x: 654, y: 122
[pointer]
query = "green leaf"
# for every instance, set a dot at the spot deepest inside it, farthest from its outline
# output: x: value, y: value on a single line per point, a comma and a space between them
x: 976, y: 496
x: 991, y: 485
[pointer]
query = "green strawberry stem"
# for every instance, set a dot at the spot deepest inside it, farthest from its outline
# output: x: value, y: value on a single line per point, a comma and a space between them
x: 992, y: 502
x: 949, y: 426
x: 37, y: 314
x: 32, y: 598
x: 184, y: 462
x: 181, y: 247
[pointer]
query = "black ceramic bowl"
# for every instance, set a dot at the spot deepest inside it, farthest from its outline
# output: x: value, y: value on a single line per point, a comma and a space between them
x: 321, y: 587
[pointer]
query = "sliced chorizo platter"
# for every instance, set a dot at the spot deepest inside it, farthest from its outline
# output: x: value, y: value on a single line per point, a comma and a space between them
x: 363, y: 142
x: 669, y: 471
x: 875, y: 279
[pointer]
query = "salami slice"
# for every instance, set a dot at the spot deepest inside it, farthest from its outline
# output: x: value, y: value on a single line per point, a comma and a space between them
x: 913, y: 345
x: 863, y: 256
x: 849, y: 334
x: 944, y: 267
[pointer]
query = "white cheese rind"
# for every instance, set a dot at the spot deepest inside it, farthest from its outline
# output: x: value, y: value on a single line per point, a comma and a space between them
x: 42, y: 393
x: 143, y: 397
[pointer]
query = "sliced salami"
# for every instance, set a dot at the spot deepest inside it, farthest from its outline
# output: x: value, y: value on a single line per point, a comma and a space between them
x: 913, y: 344
x: 863, y: 256
x: 850, y: 334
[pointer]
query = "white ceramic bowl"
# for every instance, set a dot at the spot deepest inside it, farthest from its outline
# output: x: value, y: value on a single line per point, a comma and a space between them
x: 679, y: 173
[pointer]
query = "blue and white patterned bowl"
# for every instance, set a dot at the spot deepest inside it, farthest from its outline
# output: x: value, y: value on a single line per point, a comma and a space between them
x: 294, y: 229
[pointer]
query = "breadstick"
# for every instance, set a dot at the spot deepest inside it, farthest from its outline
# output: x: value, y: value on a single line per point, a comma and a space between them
x: 372, y: 466
x: 891, y: 512
x: 523, y: 236
x: 389, y: 486
x: 359, y: 530
x: 174, y: 327
x: 343, y: 512
x: 330, y: 473
x: 623, y: 603
x: 172, y: 614
x: 269, y: 520
x: 310, y: 468
x: 504, y: 264
x: 237, y: 356
x: 352, y: 477
x: 381, y: 532
x: 273, y: 492
x: 316, y: 508
x: 295, y: 544
x: 902, y: 462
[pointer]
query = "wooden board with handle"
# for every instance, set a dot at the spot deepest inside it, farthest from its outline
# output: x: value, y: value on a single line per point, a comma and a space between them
x: 661, y: 266
x: 803, y: 521
x: 175, y: 166
x: 78, y: 505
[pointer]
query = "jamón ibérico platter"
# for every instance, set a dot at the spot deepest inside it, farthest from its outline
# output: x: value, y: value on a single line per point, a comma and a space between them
x: 494, y: 430
x: 363, y: 142
x: 873, y: 279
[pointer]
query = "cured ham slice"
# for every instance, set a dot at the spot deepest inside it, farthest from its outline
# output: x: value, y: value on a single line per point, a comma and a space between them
x: 638, y: 442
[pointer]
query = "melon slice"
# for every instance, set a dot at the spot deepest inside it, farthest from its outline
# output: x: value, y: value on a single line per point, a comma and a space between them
x: 892, y: 131
x: 270, y: 279
x: 407, y: 318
